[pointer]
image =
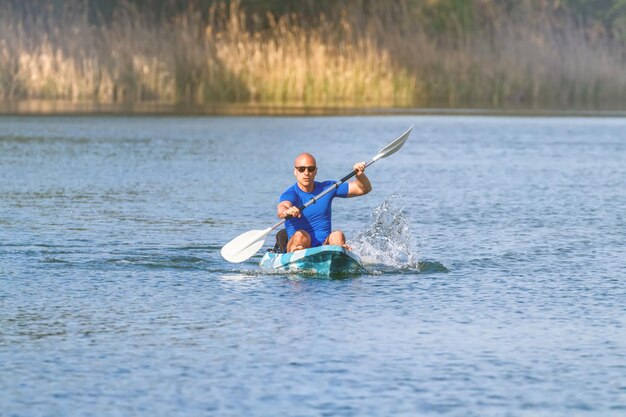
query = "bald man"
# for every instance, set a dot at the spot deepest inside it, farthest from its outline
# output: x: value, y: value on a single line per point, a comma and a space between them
x: 312, y: 227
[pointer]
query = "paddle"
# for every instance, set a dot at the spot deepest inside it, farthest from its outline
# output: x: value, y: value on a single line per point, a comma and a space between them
x: 247, y: 244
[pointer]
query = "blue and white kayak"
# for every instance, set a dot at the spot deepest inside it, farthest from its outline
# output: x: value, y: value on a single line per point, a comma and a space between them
x: 327, y: 260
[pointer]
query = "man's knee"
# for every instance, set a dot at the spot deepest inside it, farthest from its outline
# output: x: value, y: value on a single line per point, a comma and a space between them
x: 300, y: 240
x: 336, y: 238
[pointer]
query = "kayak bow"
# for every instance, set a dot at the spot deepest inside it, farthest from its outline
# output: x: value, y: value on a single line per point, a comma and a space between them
x: 327, y: 260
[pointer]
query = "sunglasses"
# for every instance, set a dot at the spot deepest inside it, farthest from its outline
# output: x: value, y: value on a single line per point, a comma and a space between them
x: 310, y: 169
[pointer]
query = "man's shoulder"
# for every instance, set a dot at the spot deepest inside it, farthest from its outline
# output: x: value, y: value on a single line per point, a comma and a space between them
x: 290, y: 188
x: 326, y: 184
x: 289, y: 192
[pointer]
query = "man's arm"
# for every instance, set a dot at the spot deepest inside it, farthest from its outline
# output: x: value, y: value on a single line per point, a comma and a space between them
x: 361, y: 185
x: 285, y: 208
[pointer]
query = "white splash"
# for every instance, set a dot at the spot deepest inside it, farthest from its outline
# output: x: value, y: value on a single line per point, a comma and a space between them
x: 387, y: 239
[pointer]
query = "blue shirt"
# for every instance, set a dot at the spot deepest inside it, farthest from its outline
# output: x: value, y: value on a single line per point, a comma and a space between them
x: 316, y: 218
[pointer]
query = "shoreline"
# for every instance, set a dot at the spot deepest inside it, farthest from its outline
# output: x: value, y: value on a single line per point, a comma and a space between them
x: 67, y: 108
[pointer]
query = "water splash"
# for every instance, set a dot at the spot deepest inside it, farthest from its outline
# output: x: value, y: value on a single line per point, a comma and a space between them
x: 387, y: 239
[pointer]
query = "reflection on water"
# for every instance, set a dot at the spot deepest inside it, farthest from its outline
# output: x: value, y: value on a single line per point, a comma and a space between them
x: 51, y: 107
x: 59, y: 107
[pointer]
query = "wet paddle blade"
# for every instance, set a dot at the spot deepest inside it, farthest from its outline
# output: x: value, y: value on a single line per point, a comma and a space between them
x: 245, y: 245
x: 394, y: 146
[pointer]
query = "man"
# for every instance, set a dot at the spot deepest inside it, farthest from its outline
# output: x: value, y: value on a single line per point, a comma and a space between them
x: 312, y: 227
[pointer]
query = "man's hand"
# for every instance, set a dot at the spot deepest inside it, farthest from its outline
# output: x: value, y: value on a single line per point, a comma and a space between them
x: 292, y: 211
x: 361, y: 184
x: 359, y: 167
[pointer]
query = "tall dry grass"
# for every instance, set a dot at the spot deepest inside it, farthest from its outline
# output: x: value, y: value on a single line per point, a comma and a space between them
x: 380, y: 56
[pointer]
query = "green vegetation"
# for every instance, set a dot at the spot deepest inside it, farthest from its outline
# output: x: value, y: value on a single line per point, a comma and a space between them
x: 476, y: 53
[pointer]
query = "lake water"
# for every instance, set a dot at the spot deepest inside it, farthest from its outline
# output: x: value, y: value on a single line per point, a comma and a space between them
x: 497, y: 283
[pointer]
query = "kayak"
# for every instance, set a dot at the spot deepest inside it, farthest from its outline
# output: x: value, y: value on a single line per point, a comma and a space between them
x: 327, y: 260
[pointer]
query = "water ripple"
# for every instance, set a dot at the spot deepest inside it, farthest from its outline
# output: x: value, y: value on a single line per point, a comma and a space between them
x: 494, y: 288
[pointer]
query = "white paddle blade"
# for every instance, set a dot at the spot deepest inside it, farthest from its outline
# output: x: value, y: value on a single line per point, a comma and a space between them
x: 245, y: 245
x: 394, y: 146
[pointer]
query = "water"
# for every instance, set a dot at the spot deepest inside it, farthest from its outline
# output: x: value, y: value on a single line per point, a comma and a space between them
x: 502, y: 292
x: 388, y: 240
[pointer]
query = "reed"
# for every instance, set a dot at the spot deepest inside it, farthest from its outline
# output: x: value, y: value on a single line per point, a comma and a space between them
x: 384, y: 54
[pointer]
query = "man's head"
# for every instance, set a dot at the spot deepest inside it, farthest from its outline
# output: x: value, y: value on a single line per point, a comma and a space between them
x: 305, y: 168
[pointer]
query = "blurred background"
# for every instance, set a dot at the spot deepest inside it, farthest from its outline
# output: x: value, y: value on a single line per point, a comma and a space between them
x: 519, y: 54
